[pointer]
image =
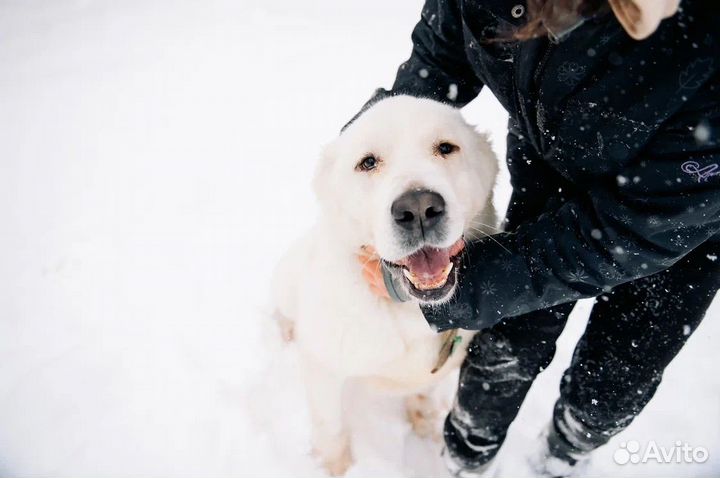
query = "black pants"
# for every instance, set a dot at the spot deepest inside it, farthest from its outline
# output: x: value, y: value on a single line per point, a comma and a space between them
x: 633, y: 333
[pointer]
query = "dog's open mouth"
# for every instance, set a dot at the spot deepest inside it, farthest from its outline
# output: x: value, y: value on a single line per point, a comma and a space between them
x: 430, y: 273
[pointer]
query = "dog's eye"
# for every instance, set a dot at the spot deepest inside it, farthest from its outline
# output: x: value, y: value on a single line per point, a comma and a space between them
x: 368, y: 163
x: 446, y: 148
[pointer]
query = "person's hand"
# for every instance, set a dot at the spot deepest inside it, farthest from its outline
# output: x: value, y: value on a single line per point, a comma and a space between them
x: 372, y: 271
x: 640, y: 18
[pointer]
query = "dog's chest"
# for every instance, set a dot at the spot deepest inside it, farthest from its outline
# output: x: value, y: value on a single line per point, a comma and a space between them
x: 349, y: 330
x: 385, y: 341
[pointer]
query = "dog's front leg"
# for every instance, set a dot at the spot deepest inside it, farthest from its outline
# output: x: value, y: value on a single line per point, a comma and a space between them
x: 330, y: 438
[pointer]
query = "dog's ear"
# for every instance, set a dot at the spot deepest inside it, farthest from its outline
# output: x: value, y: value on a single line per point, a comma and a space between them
x: 322, y: 181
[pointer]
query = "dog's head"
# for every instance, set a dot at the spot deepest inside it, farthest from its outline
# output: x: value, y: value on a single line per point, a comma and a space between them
x: 407, y: 178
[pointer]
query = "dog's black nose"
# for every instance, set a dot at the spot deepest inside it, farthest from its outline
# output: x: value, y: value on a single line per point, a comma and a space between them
x: 418, y: 211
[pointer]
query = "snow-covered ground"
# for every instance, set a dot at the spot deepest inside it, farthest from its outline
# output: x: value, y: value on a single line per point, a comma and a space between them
x: 155, y: 160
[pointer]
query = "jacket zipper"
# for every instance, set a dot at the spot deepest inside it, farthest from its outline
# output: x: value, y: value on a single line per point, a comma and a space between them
x: 534, y: 89
x: 541, y: 65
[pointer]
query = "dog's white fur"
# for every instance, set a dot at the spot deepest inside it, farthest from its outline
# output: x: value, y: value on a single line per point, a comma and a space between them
x: 342, y: 330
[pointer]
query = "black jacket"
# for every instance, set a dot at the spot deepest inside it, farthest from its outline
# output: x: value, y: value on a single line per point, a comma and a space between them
x: 612, y: 146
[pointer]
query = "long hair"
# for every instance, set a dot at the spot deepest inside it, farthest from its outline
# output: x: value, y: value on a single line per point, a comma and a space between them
x: 543, y: 14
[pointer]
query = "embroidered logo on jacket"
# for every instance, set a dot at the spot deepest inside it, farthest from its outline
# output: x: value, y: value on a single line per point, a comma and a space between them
x: 701, y: 174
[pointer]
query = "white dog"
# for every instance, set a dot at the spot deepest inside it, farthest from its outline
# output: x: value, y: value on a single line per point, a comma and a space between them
x: 410, y: 179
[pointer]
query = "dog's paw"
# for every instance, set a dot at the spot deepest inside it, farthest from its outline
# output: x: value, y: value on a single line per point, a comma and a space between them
x: 286, y: 326
x: 287, y: 330
x: 336, y: 459
x: 423, y: 416
x: 338, y: 465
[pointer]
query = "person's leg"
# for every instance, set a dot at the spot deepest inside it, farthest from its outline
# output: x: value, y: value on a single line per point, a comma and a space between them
x: 633, y: 334
x: 501, y: 364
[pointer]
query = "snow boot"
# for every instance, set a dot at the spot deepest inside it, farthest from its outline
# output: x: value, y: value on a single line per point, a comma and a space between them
x: 459, y: 469
x: 556, y: 457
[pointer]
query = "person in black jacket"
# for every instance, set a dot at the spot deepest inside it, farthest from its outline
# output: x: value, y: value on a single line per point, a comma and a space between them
x: 614, y: 159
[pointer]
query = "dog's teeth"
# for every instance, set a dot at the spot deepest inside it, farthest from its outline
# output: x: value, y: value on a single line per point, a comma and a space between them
x: 424, y: 283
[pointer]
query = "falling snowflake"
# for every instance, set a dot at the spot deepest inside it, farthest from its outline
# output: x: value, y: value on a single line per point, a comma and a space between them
x: 570, y: 73
x: 654, y: 221
x: 702, y: 132
x: 625, y: 219
x: 487, y: 288
x: 452, y: 93
x: 506, y: 266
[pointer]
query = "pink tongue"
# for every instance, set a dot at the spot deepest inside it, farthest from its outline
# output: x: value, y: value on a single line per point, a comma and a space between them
x: 428, y: 262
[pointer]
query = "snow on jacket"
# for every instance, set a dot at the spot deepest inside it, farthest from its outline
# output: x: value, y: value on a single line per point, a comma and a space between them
x: 613, y: 149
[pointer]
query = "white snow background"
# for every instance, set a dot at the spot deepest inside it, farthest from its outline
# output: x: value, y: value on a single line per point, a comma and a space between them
x: 155, y: 162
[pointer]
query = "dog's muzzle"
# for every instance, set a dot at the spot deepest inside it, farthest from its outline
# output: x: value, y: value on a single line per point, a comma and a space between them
x: 419, y: 215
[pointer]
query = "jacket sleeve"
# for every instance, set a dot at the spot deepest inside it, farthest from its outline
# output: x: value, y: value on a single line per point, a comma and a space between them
x: 658, y: 207
x: 438, y: 66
